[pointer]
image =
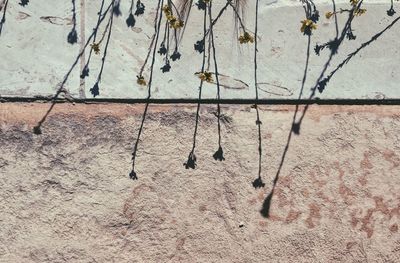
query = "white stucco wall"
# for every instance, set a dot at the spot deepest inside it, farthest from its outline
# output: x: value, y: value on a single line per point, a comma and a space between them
x: 35, y: 55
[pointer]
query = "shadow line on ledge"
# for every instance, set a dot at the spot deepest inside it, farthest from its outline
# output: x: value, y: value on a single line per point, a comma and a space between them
x: 41, y: 99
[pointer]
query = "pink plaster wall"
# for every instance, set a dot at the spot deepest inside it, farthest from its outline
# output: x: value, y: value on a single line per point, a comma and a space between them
x: 66, y: 195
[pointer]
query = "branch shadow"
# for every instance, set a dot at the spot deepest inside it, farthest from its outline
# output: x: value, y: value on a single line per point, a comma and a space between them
x: 3, y: 17
x: 191, y: 161
x: 323, y: 81
x: 73, y: 35
x: 267, y: 202
x: 320, y: 86
x: 312, y: 14
x: 37, y: 128
x: 219, y: 154
x: 95, y: 89
x: 258, y: 182
x: 157, y: 26
x: 333, y: 46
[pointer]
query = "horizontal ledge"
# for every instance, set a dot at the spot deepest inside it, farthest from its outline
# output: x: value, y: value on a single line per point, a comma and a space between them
x: 211, y: 101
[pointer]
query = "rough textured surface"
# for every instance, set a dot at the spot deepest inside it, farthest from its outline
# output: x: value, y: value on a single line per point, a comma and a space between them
x: 66, y: 196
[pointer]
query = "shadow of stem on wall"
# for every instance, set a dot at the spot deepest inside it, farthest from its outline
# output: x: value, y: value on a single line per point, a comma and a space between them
x: 219, y: 154
x: 267, y: 202
x: 333, y: 46
x: 72, y: 37
x: 3, y: 7
x: 191, y: 161
x: 320, y: 86
x: 323, y: 81
x: 258, y: 182
x: 157, y: 26
x: 61, y: 89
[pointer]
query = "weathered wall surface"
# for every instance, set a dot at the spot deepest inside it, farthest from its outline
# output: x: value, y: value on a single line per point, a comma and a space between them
x: 66, y: 195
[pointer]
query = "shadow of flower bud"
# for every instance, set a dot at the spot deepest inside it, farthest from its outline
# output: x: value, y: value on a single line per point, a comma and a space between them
x: 266, y: 205
x: 201, y: 5
x: 23, y: 3
x: 175, y: 56
x: 391, y: 11
x: 139, y: 8
x: 258, y: 183
x: 315, y: 16
x: 322, y: 84
x: 318, y: 49
x: 334, y: 45
x: 166, y: 67
x: 199, y: 46
x: 162, y: 50
x: 350, y: 35
x: 296, y: 128
x: 37, y: 130
x: 85, y: 72
x: 307, y: 31
x: 191, y: 162
x: 95, y: 90
x: 117, y: 10
x: 72, y: 36
x: 219, y: 155
x: 133, y: 175
x: 130, y: 21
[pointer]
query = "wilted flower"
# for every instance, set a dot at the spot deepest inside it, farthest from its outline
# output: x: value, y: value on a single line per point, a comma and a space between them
x: 329, y: 15
x: 307, y: 25
x: 177, y: 23
x: 359, y: 11
x: 167, y: 10
x: 172, y: 20
x: 96, y: 48
x: 353, y: 2
x: 206, y: 76
x: 141, y: 81
x: 246, y: 38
